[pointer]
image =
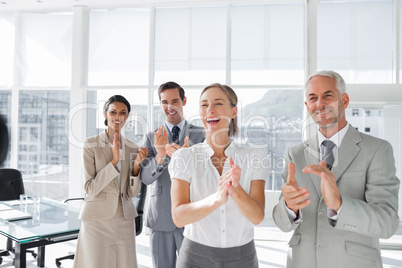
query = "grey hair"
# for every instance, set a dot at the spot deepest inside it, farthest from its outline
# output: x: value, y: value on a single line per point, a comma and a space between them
x: 340, y: 83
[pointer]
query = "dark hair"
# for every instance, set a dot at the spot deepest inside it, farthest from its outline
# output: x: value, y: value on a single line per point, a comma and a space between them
x: 171, y: 85
x: 115, y: 98
x: 233, y: 128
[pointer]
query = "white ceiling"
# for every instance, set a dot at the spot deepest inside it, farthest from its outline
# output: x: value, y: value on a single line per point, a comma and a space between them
x: 46, y: 5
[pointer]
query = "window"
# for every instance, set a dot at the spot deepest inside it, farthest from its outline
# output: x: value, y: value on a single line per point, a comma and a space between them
x: 344, y: 30
x: 46, y: 49
x: 270, y: 119
x: 7, y: 31
x: 267, y: 44
x: 119, y: 47
x: 39, y: 142
x: 355, y: 112
x: 367, y: 130
x: 190, y: 45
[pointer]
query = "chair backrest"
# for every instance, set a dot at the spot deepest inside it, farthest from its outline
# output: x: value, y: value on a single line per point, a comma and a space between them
x: 139, y: 202
x: 3, y: 140
x: 11, y: 184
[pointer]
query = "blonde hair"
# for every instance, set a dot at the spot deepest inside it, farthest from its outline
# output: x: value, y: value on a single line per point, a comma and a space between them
x: 233, y: 129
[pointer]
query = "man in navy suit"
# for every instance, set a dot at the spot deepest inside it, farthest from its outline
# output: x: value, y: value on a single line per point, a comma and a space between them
x: 165, y: 237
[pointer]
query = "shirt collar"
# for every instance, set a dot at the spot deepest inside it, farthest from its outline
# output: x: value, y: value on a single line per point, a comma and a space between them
x: 229, y: 151
x: 336, y: 138
x: 180, y: 125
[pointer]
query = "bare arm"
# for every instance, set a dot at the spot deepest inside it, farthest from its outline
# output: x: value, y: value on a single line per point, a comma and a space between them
x: 252, y: 205
x: 185, y: 212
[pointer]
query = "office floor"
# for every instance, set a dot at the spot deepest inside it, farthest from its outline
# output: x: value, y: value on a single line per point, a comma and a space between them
x: 270, y: 242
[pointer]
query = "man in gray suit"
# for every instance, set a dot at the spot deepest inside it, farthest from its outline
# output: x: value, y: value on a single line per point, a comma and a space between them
x: 165, y: 237
x: 340, y: 206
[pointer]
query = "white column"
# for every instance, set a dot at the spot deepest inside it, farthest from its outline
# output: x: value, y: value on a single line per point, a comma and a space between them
x: 310, y: 37
x: 393, y: 134
x: 78, y: 104
x: 14, y: 135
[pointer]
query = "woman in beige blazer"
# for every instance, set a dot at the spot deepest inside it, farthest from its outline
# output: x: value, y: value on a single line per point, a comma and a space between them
x: 111, y: 171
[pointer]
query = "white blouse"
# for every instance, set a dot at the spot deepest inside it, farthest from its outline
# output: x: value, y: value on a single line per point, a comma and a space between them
x: 226, y: 226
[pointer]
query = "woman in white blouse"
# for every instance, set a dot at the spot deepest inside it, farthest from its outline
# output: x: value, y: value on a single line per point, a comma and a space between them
x: 218, y: 189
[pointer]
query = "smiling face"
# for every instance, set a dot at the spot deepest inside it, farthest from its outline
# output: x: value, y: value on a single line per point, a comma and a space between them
x: 116, y: 115
x: 325, y: 104
x: 172, y: 105
x: 216, y: 110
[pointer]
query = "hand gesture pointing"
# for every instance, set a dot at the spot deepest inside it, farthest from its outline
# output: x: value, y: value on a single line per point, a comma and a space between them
x: 294, y: 196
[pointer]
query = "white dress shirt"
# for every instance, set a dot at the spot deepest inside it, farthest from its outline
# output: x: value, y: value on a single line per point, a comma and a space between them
x: 226, y: 226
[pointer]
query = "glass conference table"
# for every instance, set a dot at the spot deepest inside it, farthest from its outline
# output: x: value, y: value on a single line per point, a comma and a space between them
x: 53, y: 222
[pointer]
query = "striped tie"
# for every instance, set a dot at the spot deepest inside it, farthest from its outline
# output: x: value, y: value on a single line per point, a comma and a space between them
x: 175, y: 134
x: 326, y: 149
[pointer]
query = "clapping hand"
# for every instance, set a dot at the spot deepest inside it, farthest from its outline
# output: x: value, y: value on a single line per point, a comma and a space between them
x: 294, y: 196
x: 141, y: 155
x: 171, y: 148
x: 116, y: 149
x: 329, y: 188
x: 231, y: 179
x: 160, y: 141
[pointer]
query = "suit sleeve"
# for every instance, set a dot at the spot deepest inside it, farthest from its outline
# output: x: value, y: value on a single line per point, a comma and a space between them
x: 95, y: 182
x: 148, y: 166
x: 279, y: 213
x: 134, y: 184
x: 378, y: 214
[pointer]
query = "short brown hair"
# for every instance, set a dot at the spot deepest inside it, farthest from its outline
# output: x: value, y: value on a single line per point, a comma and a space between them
x: 171, y: 85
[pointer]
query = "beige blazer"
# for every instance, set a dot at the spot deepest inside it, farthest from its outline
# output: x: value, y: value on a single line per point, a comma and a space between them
x: 368, y: 186
x: 101, y: 179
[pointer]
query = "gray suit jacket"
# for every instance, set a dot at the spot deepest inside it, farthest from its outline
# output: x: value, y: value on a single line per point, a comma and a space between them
x: 366, y: 180
x: 101, y: 179
x: 159, y: 213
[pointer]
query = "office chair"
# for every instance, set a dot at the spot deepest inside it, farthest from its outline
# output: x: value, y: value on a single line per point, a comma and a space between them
x: 11, y: 186
x: 3, y: 141
x: 139, y: 202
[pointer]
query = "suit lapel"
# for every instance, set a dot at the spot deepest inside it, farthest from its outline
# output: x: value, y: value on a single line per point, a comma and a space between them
x: 104, y: 143
x: 125, y: 163
x: 347, y: 152
x: 312, y: 155
x: 186, y: 132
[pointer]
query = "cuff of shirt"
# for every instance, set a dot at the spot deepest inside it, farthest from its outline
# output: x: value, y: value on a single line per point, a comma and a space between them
x: 332, y: 214
x: 159, y: 168
x: 292, y: 216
